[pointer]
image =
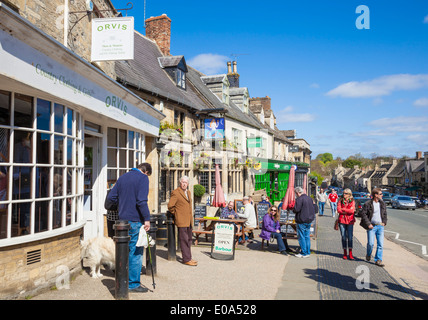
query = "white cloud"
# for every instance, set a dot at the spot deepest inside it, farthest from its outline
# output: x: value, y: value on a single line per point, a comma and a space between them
x: 381, y: 86
x: 286, y: 115
x: 209, y: 63
x: 314, y: 85
x: 422, y: 102
x: 426, y: 19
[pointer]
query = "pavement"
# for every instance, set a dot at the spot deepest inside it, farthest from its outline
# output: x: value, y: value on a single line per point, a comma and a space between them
x: 268, y: 275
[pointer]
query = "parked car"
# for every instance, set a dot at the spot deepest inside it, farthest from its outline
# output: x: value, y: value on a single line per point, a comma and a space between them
x: 403, y: 202
x: 387, y: 197
x: 419, y: 203
x: 359, y: 203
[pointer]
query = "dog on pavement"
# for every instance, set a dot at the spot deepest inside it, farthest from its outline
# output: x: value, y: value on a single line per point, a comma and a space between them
x: 96, y: 252
x: 101, y: 251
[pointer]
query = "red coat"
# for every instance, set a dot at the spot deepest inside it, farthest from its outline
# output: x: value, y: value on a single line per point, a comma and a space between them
x: 346, y: 211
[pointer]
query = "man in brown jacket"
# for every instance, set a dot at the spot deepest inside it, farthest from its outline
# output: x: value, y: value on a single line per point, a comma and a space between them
x: 180, y: 205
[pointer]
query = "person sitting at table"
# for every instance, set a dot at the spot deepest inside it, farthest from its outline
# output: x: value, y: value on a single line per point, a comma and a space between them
x: 266, y: 201
x: 271, y: 227
x: 250, y: 215
x: 228, y: 212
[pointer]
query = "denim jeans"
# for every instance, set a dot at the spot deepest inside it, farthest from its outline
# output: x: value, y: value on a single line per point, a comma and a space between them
x: 303, y: 235
x: 347, y: 232
x: 135, y: 255
x: 333, y: 208
x: 278, y: 237
x: 321, y: 207
x: 376, y: 232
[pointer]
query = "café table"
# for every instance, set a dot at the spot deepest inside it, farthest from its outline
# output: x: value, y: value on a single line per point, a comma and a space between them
x: 204, y: 229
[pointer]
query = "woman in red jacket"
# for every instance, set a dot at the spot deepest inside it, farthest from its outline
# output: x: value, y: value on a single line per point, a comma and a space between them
x: 346, y: 209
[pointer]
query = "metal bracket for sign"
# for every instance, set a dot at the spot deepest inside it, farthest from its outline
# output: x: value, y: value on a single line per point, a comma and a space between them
x: 91, y: 11
x: 220, y: 256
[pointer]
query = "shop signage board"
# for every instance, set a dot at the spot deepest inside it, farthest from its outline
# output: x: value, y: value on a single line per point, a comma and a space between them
x: 223, y: 243
x: 214, y: 129
x: 254, y: 142
x: 112, y: 39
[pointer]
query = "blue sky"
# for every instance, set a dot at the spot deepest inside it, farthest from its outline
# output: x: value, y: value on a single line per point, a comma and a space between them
x: 345, y: 90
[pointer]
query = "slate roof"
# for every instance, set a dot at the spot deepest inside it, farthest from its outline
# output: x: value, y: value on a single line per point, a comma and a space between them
x: 398, y: 171
x: 145, y: 73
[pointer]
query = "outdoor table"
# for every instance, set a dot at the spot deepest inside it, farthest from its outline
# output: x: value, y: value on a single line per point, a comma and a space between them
x: 209, y: 230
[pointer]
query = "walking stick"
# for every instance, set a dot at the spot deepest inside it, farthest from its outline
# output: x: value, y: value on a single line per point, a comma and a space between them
x: 151, y: 264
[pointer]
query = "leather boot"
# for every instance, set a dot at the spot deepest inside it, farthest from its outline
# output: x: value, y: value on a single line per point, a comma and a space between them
x: 345, y: 254
x: 351, y: 257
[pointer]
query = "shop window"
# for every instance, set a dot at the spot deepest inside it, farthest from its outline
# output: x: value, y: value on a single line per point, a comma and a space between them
x: 45, y: 192
x: 124, y: 152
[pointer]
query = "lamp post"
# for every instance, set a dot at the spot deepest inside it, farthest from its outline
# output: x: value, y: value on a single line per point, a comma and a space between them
x: 159, y: 146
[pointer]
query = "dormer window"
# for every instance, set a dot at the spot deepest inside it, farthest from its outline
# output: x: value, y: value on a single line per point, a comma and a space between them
x: 181, y: 79
x: 176, y: 68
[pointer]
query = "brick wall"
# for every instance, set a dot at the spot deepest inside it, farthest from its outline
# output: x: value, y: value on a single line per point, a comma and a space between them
x: 159, y: 30
x: 22, y: 273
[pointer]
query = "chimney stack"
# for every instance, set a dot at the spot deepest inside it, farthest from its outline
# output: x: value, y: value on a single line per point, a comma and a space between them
x: 232, y: 75
x: 159, y: 30
x: 418, y: 155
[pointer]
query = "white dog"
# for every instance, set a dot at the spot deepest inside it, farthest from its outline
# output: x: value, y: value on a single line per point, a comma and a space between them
x: 98, y: 251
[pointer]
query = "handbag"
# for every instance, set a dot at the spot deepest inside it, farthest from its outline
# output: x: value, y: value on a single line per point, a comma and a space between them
x: 336, y: 224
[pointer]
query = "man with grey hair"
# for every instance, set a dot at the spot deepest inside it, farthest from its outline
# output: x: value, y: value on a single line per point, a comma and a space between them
x: 180, y: 205
x: 305, y: 214
x: 250, y: 215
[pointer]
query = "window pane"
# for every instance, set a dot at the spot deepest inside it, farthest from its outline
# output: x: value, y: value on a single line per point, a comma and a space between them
x: 68, y: 205
x: 58, y: 149
x: 57, y: 213
x: 23, y: 111
x: 111, y: 178
x: 41, y: 216
x: 21, y: 183
x: 4, y: 145
x: 131, y: 139
x: 122, y: 138
x: 3, y: 220
x: 42, y: 182
x: 21, y: 219
x: 111, y: 158
x: 69, y: 151
x: 69, y: 122
x: 43, y: 149
x: 112, y: 137
x: 57, y: 187
x: 4, y: 107
x: 69, y: 180
x: 22, y: 147
x: 4, y: 182
x: 122, y: 158
x: 59, y: 118
x: 43, y: 114
x: 131, y: 159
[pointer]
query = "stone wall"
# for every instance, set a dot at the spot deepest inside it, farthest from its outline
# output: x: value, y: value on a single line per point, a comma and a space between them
x: 28, y: 267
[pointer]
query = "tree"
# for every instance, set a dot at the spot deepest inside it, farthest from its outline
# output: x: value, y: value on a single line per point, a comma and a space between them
x: 350, y: 163
x: 325, y: 157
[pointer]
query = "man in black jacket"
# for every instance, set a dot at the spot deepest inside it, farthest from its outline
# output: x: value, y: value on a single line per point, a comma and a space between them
x: 305, y: 214
x: 373, y: 219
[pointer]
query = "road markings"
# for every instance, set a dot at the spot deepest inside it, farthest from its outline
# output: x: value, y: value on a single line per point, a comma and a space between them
x: 397, y: 237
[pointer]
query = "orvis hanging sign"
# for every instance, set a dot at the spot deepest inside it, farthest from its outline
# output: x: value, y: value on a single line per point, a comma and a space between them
x: 112, y: 39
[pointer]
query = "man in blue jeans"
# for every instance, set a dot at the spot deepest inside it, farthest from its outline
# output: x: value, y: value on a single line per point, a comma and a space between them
x: 130, y: 193
x: 305, y: 214
x: 374, y: 219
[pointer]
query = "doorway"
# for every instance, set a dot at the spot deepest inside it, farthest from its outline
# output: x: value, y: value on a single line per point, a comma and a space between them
x: 91, y: 208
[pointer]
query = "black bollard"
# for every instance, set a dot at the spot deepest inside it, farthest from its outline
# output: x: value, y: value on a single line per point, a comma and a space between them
x: 171, y: 237
x: 122, y: 255
x: 152, y: 253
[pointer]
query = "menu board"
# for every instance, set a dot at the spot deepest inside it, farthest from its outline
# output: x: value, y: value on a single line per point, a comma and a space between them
x: 199, y: 212
x: 262, y: 210
x: 239, y: 206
